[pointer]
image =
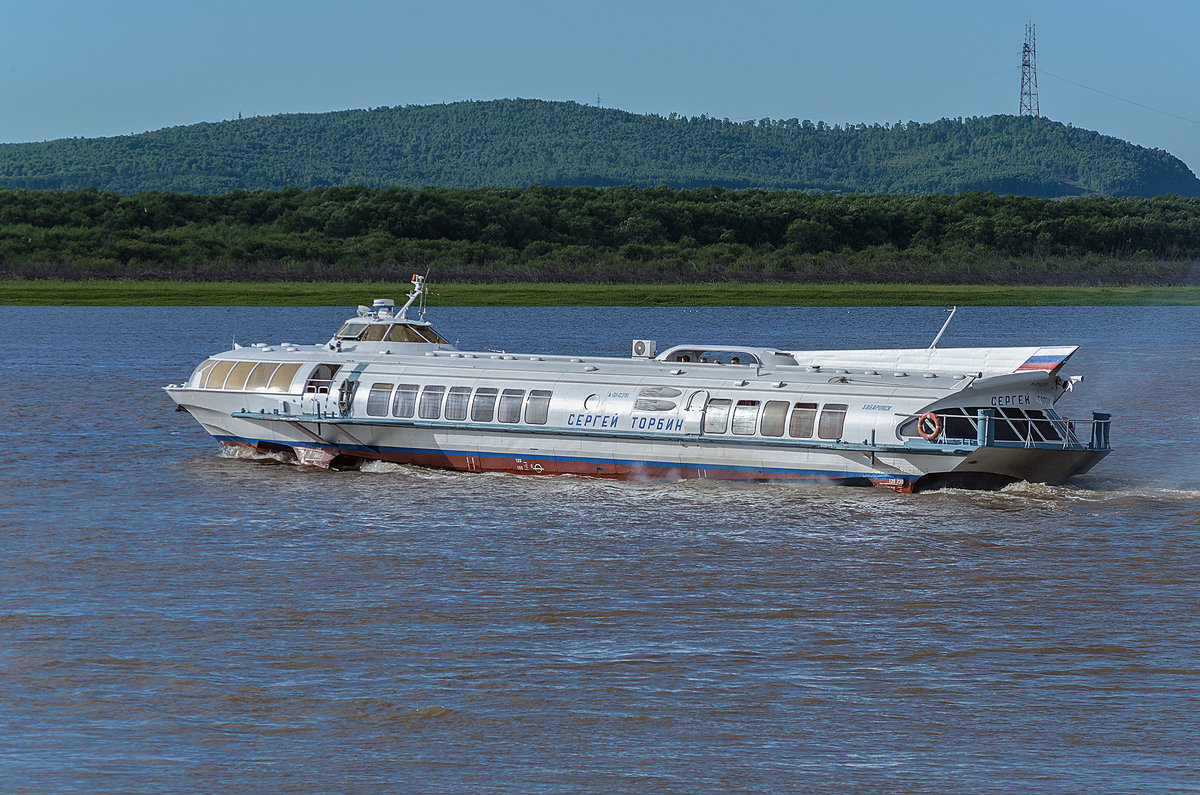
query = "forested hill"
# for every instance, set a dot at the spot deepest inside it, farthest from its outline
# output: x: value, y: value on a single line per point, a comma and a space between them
x: 513, y: 143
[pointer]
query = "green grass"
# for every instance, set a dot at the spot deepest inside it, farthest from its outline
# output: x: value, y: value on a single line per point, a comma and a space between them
x: 153, y: 293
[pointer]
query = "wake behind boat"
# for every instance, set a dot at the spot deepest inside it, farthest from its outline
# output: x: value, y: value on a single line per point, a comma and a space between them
x: 390, y: 388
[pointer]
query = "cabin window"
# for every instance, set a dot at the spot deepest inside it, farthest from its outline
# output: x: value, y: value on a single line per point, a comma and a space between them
x: 803, y: 419
x: 716, y: 417
x: 200, y: 373
x: 402, y: 332
x: 260, y: 376
x: 456, y: 402
x: 404, y: 402
x: 378, y: 399
x: 833, y: 418
x: 484, y: 404
x: 510, y: 405
x: 374, y: 332
x: 774, y: 417
x: 745, y: 417
x: 430, y: 407
x: 352, y: 330
x: 537, y: 407
x: 282, y: 380
x: 321, y: 377
x: 216, y: 376
x: 238, y: 375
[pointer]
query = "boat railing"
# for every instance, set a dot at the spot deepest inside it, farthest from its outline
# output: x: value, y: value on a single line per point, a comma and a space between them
x: 318, y: 386
x: 1049, y: 432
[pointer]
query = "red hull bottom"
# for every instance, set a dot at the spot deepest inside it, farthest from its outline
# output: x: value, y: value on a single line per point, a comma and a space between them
x: 550, y: 466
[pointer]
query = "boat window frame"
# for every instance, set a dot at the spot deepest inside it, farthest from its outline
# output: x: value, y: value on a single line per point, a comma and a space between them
x: 724, y: 408
x: 803, y: 415
x: 745, y: 417
x: 373, y: 399
x: 776, y: 425
x: 236, y: 382
x: 215, y: 381
x: 429, y: 407
x: 408, y: 393
x: 483, y: 404
x: 281, y: 379
x: 458, y: 397
x: 837, y: 413
x: 510, y: 405
x: 537, y: 406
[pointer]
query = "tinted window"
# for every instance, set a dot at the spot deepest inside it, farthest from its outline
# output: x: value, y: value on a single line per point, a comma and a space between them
x: 374, y: 332
x: 456, y: 402
x: 403, y: 333
x: 484, y: 404
x: 404, y: 404
x: 261, y: 376
x: 237, y: 378
x: 283, y: 377
x: 431, y: 402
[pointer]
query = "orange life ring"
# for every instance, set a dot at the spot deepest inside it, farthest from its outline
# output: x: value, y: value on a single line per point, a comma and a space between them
x: 929, y: 426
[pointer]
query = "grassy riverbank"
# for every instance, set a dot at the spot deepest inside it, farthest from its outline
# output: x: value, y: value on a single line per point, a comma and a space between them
x: 166, y: 293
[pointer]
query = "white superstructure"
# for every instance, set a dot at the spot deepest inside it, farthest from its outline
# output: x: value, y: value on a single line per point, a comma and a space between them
x: 390, y: 388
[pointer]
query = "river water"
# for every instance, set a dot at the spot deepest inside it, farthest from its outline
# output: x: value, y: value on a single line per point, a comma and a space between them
x: 172, y: 619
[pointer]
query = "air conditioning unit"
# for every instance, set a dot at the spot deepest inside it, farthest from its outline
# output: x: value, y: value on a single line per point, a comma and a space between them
x: 643, y: 349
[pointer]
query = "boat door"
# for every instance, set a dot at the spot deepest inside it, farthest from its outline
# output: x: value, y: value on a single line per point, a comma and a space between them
x: 693, y: 413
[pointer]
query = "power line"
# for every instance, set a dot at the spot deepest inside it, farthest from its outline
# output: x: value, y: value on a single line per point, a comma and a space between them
x: 1123, y: 99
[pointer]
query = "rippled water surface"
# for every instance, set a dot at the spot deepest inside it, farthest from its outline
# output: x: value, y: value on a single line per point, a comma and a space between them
x: 171, y: 619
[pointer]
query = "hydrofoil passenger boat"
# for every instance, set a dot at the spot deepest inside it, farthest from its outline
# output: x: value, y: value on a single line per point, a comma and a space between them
x: 388, y: 387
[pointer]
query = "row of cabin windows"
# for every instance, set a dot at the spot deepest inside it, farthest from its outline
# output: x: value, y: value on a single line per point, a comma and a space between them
x: 245, y: 376
x: 798, y: 419
x: 434, y: 402
x: 385, y: 332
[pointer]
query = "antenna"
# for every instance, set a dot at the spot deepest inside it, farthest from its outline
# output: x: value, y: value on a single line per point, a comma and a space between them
x: 1029, y: 91
x: 945, y: 326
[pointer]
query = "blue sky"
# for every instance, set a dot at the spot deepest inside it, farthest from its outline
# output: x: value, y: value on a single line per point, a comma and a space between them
x: 114, y: 67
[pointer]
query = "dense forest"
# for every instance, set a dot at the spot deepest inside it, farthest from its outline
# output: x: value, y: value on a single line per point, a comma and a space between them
x: 609, y: 235
x: 518, y: 143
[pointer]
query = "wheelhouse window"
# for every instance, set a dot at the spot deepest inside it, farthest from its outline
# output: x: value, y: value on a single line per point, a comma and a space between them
x: 404, y: 402
x: 374, y: 332
x: 402, y: 332
x: 745, y: 417
x: 352, y: 330
x: 833, y: 419
x: 429, y: 334
x: 483, y: 407
x: 774, y: 417
x: 716, y: 416
x: 510, y: 405
x: 537, y: 406
x: 378, y: 399
x: 430, y: 407
x: 456, y: 402
x: 802, y: 421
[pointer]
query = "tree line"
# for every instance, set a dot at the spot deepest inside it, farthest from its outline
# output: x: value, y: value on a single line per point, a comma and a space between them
x: 517, y: 143
x: 609, y: 235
